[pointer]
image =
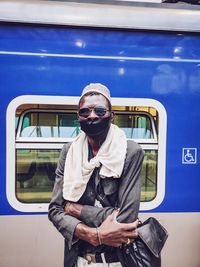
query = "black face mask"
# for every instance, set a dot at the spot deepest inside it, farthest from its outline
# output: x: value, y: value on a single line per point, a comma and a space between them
x: 97, y: 127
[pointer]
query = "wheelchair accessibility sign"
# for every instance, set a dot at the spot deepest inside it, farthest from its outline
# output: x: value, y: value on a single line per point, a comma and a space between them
x: 189, y: 155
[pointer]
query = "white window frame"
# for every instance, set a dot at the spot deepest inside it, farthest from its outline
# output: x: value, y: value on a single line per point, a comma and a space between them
x: 12, y: 145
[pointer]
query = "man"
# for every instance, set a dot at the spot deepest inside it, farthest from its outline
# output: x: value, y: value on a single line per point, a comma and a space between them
x: 96, y: 195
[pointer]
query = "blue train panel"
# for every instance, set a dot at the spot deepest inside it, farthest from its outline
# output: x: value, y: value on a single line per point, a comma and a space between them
x: 60, y: 61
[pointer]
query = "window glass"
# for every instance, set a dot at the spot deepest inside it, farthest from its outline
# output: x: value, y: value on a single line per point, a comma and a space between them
x: 135, y: 126
x: 50, y: 125
x: 35, y: 174
x: 16, y: 121
x: 26, y: 121
x: 149, y: 175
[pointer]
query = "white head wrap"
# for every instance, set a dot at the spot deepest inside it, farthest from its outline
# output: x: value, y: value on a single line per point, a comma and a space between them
x: 99, y: 88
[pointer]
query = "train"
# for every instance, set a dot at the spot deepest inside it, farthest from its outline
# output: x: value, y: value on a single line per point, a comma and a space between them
x: 148, y: 55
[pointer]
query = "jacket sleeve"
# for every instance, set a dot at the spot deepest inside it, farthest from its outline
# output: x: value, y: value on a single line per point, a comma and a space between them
x: 64, y: 223
x: 130, y: 185
x: 128, y: 192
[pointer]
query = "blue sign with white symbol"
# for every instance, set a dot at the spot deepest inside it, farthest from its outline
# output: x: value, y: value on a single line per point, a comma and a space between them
x: 189, y: 155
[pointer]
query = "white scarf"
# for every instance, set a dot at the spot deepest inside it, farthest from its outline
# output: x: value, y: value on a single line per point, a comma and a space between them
x: 78, y: 169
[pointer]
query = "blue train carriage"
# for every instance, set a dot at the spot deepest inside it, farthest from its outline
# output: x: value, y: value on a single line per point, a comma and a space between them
x: 149, y: 57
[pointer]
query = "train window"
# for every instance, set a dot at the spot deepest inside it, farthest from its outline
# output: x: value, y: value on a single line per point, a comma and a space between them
x: 44, y: 127
x: 49, y: 125
x: 35, y: 169
x: 35, y: 174
x: 149, y: 175
x: 136, y: 125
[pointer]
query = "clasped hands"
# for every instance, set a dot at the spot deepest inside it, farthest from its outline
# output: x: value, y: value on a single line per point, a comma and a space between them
x: 113, y: 233
x: 110, y: 232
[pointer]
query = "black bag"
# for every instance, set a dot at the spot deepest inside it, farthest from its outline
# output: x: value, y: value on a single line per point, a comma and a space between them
x: 145, y: 250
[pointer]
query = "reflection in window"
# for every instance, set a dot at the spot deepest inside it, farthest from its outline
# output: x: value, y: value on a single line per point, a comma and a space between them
x: 48, y: 125
x: 35, y: 174
x: 16, y: 121
x: 149, y: 175
x: 135, y: 126
x: 66, y: 125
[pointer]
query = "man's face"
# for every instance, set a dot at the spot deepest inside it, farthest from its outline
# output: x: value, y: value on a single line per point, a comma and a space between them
x: 94, y: 115
x: 94, y: 103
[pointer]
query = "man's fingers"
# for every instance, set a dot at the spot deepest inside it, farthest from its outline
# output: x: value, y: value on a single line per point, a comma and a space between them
x: 135, y: 223
x: 132, y: 234
x: 114, y: 214
x: 130, y: 226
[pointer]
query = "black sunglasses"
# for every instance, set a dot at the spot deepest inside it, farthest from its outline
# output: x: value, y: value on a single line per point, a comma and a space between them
x: 99, y: 111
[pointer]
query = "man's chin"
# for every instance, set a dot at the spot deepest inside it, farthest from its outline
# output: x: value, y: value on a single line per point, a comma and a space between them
x: 99, y: 136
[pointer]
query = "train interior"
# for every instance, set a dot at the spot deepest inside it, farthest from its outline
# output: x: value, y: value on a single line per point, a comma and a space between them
x: 42, y: 130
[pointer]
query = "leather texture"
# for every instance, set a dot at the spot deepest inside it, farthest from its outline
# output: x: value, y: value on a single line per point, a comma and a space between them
x: 145, y: 250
